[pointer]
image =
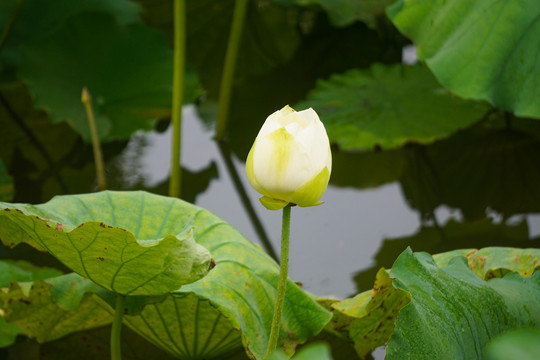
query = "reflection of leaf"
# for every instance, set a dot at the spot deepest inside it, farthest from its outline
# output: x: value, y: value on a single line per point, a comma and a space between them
x: 522, y: 344
x: 6, y: 184
x: 453, y: 235
x: 454, y: 313
x: 121, y: 251
x: 269, y: 36
x: 130, y: 85
x: 371, y: 168
x: 494, y: 262
x: 345, y: 12
x: 336, y: 51
x: 486, y: 167
x: 483, y: 49
x: 368, y: 318
x: 49, y: 309
x: 28, y: 138
x: 388, y: 106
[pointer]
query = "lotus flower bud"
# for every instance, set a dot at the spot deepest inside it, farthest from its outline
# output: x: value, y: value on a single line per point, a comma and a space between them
x: 290, y: 161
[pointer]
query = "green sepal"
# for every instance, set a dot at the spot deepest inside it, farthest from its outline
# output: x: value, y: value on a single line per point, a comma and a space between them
x: 272, y: 204
x: 310, y: 193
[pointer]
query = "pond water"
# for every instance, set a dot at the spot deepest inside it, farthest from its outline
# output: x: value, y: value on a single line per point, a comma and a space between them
x: 337, y: 247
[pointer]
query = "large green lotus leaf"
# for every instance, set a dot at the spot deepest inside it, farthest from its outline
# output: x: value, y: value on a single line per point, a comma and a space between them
x: 118, y: 240
x: 454, y: 313
x: 478, y: 49
x: 270, y: 36
x: 94, y: 344
x: 368, y: 318
x: 127, y: 69
x: 495, y: 262
x: 11, y: 270
x: 49, y: 309
x: 242, y: 286
x: 452, y: 235
x: 522, y: 344
x: 8, y: 332
x: 388, y: 106
x: 345, y: 12
x: 488, y: 167
x: 6, y: 184
x: 186, y: 327
x: 316, y: 351
x: 23, y: 271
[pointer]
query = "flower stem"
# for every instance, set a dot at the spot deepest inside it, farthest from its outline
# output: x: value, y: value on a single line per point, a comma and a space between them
x: 282, y: 283
x: 86, y: 99
x: 178, y: 94
x: 116, y: 346
x: 228, y: 69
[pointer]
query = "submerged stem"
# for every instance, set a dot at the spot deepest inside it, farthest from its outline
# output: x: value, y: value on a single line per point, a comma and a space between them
x: 86, y: 99
x: 178, y: 94
x: 116, y: 345
x: 228, y: 69
x: 11, y: 22
x: 282, y: 283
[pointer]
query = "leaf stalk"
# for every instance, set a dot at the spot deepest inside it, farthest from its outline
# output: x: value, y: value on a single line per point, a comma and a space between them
x: 116, y: 345
x: 86, y: 99
x: 177, y: 95
x: 224, y: 101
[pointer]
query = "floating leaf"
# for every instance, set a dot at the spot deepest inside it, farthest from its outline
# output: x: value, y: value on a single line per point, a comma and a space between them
x: 345, y: 12
x: 454, y: 313
x: 242, y: 286
x: 495, y: 262
x: 49, y: 309
x: 388, y: 107
x: 368, y: 318
x: 127, y: 255
x: 522, y: 344
x: 130, y: 85
x: 478, y: 49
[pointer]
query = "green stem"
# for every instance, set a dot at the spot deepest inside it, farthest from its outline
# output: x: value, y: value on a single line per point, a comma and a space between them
x: 178, y: 94
x: 86, y: 99
x: 228, y: 70
x: 282, y: 283
x: 11, y: 22
x: 116, y: 346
